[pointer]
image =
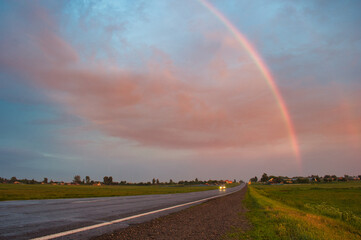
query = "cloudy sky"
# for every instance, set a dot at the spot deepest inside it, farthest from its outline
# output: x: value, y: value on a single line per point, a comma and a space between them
x: 164, y: 89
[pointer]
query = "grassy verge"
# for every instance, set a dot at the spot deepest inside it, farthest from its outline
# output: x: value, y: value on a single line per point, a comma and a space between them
x: 36, y: 191
x: 323, y: 211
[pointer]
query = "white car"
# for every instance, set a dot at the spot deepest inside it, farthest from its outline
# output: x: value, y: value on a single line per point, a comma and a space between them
x: 222, y: 187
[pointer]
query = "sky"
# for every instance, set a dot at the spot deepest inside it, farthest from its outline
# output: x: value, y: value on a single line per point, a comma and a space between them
x: 165, y: 89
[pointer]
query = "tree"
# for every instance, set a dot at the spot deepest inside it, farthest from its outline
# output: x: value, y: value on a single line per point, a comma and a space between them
x: 256, y: 178
x: 13, y: 179
x: 77, y: 179
x: 264, y: 177
x: 157, y: 181
x: 170, y: 181
x: 87, y: 179
x: 327, y: 178
x: 196, y: 180
x: 108, y: 180
x: 153, y: 181
x: 302, y: 180
x: 253, y: 179
x: 45, y: 180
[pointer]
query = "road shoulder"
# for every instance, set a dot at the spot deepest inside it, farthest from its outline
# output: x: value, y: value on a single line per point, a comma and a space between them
x: 210, y: 220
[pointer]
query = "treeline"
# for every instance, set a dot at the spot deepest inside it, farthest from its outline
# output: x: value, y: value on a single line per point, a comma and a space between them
x: 108, y: 180
x: 313, y: 178
x: 15, y: 180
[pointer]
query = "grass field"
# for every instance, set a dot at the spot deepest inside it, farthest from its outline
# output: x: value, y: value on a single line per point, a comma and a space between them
x: 309, y: 211
x: 37, y: 191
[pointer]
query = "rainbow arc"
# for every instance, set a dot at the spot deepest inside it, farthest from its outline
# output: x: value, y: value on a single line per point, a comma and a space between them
x: 253, y: 53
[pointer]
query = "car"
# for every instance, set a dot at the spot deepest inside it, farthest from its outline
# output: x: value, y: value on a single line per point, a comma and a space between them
x: 222, y: 187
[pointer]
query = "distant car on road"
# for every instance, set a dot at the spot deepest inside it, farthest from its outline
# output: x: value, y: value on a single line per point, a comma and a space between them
x: 222, y: 187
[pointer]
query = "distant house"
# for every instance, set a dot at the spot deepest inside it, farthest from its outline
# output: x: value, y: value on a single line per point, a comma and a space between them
x: 272, y: 180
x: 276, y: 180
x: 288, y: 180
x: 17, y: 182
x: 228, y: 182
x: 97, y: 184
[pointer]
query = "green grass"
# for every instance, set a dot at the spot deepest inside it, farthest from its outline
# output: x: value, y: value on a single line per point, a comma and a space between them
x: 309, y: 211
x: 36, y: 191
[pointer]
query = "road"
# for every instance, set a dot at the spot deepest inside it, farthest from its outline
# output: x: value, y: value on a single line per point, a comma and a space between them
x: 37, y: 218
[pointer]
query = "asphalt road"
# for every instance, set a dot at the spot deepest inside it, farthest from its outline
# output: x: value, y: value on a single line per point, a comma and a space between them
x: 36, y: 218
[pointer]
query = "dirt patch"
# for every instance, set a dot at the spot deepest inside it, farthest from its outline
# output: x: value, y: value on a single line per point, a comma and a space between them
x: 210, y: 220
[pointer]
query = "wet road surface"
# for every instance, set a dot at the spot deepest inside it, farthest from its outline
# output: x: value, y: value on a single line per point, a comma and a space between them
x: 36, y: 218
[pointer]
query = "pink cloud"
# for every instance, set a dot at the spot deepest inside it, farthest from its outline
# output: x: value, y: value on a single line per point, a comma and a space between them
x: 167, y: 106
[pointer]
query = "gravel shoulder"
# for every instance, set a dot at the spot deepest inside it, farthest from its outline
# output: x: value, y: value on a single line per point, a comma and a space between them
x: 210, y: 220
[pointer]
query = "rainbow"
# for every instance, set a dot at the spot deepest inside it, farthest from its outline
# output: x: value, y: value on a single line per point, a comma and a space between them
x: 251, y: 50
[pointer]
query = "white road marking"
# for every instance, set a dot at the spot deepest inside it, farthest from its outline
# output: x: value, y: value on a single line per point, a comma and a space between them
x: 61, y: 234
x: 88, y: 201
